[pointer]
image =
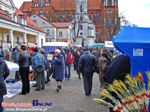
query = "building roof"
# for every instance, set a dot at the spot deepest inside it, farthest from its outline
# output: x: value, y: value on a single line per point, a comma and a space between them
x: 70, y: 4
x: 5, y: 15
x: 33, y: 25
x: 30, y: 23
x: 26, y: 6
x: 62, y: 24
x: 57, y: 24
x: 63, y: 5
x: 46, y: 20
x: 12, y: 4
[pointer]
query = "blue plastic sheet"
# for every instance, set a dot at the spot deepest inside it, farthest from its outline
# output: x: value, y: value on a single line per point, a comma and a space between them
x: 135, y: 42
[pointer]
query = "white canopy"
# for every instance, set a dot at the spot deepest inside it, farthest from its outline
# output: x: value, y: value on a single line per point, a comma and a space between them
x: 109, y: 44
x: 56, y: 44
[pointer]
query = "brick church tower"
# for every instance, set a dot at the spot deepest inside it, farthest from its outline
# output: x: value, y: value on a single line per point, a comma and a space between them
x: 103, y: 13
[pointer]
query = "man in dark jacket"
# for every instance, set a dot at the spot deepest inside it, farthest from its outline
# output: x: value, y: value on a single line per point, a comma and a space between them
x: 4, y: 72
x: 24, y: 63
x: 87, y: 66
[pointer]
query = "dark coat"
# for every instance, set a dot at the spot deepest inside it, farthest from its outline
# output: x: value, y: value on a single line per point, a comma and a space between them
x: 4, y: 72
x: 24, y: 60
x: 87, y: 64
x: 76, y: 56
x: 58, y: 67
x: 118, y: 69
x: 16, y: 56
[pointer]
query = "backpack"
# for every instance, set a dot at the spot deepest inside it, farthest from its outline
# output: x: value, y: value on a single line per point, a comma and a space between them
x: 39, y: 68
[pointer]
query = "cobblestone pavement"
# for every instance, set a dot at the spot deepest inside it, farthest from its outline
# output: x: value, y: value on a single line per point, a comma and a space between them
x: 70, y: 99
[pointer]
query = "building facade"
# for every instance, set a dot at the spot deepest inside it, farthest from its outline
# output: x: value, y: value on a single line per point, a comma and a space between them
x: 103, y: 13
x: 16, y: 28
x: 55, y: 32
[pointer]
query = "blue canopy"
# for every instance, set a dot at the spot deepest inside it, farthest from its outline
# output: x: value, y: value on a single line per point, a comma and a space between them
x: 135, y: 42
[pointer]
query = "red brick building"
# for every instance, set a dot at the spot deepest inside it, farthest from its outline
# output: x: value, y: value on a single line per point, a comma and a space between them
x: 103, y: 13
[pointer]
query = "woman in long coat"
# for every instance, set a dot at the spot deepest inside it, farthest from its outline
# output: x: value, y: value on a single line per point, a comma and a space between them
x: 58, y: 67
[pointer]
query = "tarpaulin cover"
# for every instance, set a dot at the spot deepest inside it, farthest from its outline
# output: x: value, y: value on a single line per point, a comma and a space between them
x: 12, y: 66
x: 135, y: 42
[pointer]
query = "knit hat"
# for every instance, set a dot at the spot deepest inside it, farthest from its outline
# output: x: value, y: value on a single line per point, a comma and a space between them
x: 57, y: 50
x: 35, y: 49
x: 31, y: 48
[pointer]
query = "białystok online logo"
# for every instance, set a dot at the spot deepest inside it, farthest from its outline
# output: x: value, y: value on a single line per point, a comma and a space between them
x: 34, y: 103
x: 37, y: 103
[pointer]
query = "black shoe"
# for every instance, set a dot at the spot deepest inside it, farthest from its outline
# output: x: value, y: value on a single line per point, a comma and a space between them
x: 27, y: 92
x: 22, y: 93
x: 37, y: 89
x: 48, y: 80
x: 34, y: 85
x: 43, y: 88
x: 87, y: 94
x: 57, y: 89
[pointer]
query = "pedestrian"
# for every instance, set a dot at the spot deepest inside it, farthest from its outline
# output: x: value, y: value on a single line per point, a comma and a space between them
x: 39, y: 66
x: 24, y: 63
x: 15, y: 60
x: 4, y: 72
x: 58, y: 66
x: 118, y: 69
x: 104, y: 62
x: 68, y: 63
x: 48, y: 69
x: 2, y: 52
x: 62, y: 53
x: 30, y: 51
x: 87, y: 66
x: 77, y: 56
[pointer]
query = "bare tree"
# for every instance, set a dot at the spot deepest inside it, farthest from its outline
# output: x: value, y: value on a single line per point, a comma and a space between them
x: 113, y: 23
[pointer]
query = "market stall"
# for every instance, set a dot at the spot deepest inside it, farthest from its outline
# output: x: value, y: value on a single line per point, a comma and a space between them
x: 135, y: 42
x: 52, y: 46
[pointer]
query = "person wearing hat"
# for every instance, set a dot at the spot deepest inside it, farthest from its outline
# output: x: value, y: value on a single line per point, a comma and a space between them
x: 58, y: 66
x: 39, y: 65
x: 4, y: 72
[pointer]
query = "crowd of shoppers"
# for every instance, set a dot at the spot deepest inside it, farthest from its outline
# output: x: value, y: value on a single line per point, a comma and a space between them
x: 58, y: 64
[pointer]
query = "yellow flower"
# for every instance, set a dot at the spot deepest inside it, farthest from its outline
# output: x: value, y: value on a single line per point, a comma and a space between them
x: 130, y: 79
x: 123, y: 85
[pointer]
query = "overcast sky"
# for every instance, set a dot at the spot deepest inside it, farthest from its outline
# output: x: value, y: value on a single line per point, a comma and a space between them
x: 136, y: 11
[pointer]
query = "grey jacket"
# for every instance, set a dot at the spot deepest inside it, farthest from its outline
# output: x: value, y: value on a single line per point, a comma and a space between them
x: 24, y: 59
